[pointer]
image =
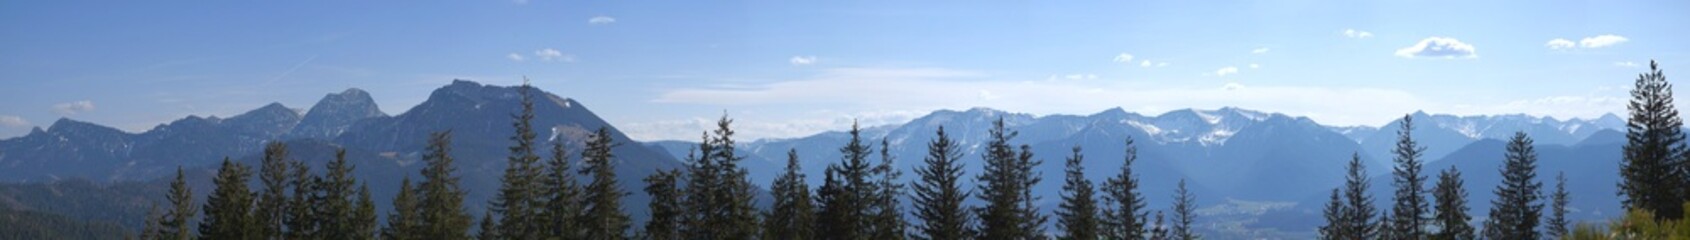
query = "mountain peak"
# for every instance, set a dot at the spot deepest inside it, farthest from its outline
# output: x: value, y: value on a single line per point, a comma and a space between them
x: 335, y: 113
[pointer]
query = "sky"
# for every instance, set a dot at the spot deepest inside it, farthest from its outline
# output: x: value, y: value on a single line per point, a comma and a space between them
x: 666, y: 69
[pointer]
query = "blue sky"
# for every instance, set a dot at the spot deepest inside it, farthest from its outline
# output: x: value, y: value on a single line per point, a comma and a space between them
x: 663, y: 69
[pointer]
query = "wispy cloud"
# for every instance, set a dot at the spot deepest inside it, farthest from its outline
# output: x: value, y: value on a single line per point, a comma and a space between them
x: 1560, y: 43
x: 1357, y: 34
x: 801, y: 60
x: 1259, y: 51
x: 1602, y: 41
x: 1255, y: 66
x: 602, y: 20
x: 72, y: 108
x: 1124, y: 58
x: 13, y: 121
x: 515, y: 57
x: 1438, y: 47
x: 1626, y: 64
x: 1229, y: 70
x: 549, y: 54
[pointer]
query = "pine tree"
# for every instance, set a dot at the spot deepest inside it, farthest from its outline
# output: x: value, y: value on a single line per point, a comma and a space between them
x: 489, y: 229
x: 1451, y: 211
x: 603, y: 218
x: 228, y: 210
x: 792, y: 214
x: 830, y: 210
x: 1515, y: 211
x: 848, y: 208
x: 719, y: 190
x: 666, y: 209
x: 151, y: 230
x: 887, y: 220
x: 562, y: 197
x: 301, y: 219
x: 174, y: 224
x: 1410, y: 208
x: 1185, y: 213
x: 1159, y: 231
x: 1652, y: 171
x: 1334, y: 214
x: 1077, y: 214
x: 338, y: 215
x: 700, y: 220
x: 273, y: 199
x: 405, y: 221
x: 442, y: 200
x: 939, y: 196
x: 1557, y: 223
x: 364, y: 218
x: 1358, y: 207
x: 1126, y: 215
x: 518, y: 188
x: 1005, y: 185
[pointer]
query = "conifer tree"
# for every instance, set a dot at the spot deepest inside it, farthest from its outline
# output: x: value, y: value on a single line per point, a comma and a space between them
x: 1652, y: 171
x: 1077, y: 214
x: 1125, y: 218
x: 1515, y: 211
x: 887, y: 220
x: 488, y: 229
x: 339, y: 206
x: 1334, y: 214
x: 847, y: 207
x: 701, y: 219
x: 174, y: 224
x: 519, y: 188
x: 1358, y: 207
x: 1451, y: 212
x: 1004, y: 186
x: 792, y: 214
x: 1159, y: 231
x: 151, y: 229
x: 1410, y: 208
x: 364, y: 218
x: 666, y: 209
x: 272, y: 201
x: 829, y: 210
x: 228, y: 210
x: 302, y: 219
x: 562, y: 197
x: 939, y: 195
x: 441, y: 199
x: 603, y: 218
x: 719, y: 190
x: 405, y: 221
x: 1557, y: 223
x: 1185, y: 213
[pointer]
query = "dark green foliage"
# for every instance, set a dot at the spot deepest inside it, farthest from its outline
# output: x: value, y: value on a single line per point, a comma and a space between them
x: 273, y: 198
x: 1006, y: 187
x: 1557, y: 223
x: 830, y: 215
x: 939, y: 194
x: 562, y: 197
x: 487, y: 230
x: 1358, y: 207
x: 792, y: 214
x: 1334, y: 214
x: 1159, y: 231
x: 1411, y: 207
x: 1652, y: 171
x: 1185, y: 213
x: 441, y: 205
x: 1077, y: 214
x: 603, y: 218
x: 719, y: 190
x: 228, y: 210
x: 848, y: 198
x: 364, y: 218
x: 174, y: 224
x: 666, y: 208
x: 302, y: 219
x: 886, y: 220
x: 405, y: 221
x: 1515, y: 211
x: 338, y: 204
x: 17, y: 224
x: 519, y: 189
x: 1125, y: 216
x: 1451, y: 210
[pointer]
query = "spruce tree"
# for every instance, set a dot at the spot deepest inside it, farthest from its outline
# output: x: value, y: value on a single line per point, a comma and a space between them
x: 1334, y: 214
x: 1410, y: 208
x: 441, y: 199
x: 1652, y: 170
x: 702, y: 219
x: 1159, y: 231
x: 1125, y: 216
x: 151, y: 229
x: 1557, y: 223
x: 830, y: 211
x: 338, y: 215
x: 939, y: 195
x: 887, y: 220
x: 1185, y: 213
x: 302, y: 221
x: 719, y: 190
x: 1515, y: 211
x: 488, y: 229
x: 1004, y: 187
x: 1077, y: 214
x: 405, y: 221
x: 519, y: 188
x: 364, y: 218
x: 174, y: 224
x: 603, y: 218
x: 562, y: 197
x: 847, y: 210
x: 272, y: 201
x: 1358, y: 206
x: 228, y: 210
x: 792, y: 214
x: 666, y: 209
x: 1451, y: 211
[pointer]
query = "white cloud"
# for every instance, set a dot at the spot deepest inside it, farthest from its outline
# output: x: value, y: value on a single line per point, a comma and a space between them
x: 1162, y: 64
x: 1255, y: 66
x: 13, y: 121
x: 1145, y: 63
x: 1232, y: 86
x: 1438, y: 47
x: 1229, y: 70
x: 752, y: 126
x: 70, y: 108
x: 1259, y: 51
x: 1602, y: 41
x: 553, y: 55
x: 515, y: 57
x: 1626, y: 64
x: 601, y: 20
x: 1124, y: 58
x: 1078, y: 76
x: 802, y: 60
x: 1148, y: 63
x: 1357, y: 34
x: 1560, y: 43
